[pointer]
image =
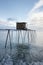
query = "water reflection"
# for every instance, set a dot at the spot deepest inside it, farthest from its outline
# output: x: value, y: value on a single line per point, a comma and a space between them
x: 23, y: 52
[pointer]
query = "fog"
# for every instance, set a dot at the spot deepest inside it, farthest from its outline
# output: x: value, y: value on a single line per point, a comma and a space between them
x: 37, y: 37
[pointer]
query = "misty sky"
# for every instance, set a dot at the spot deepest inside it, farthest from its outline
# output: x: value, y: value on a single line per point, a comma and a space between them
x: 30, y: 11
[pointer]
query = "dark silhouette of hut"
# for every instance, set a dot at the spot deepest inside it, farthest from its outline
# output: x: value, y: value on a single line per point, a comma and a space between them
x: 21, y: 25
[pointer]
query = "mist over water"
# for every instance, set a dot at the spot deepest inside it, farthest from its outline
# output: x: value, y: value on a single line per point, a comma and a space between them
x: 27, y: 52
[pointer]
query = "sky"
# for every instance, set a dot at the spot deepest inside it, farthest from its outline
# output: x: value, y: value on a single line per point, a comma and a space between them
x: 30, y: 11
x: 16, y: 9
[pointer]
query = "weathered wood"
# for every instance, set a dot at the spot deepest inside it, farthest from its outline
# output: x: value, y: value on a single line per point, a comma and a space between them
x: 20, y: 25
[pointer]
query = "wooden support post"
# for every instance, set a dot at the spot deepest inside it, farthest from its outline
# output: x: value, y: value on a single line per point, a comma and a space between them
x: 10, y: 41
x: 6, y: 39
x: 10, y: 44
x: 6, y: 42
x: 8, y: 34
x: 24, y: 36
x: 28, y: 37
x: 18, y: 36
x: 21, y: 35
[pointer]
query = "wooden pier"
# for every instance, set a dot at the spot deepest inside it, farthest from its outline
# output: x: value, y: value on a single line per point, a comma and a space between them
x: 21, y: 31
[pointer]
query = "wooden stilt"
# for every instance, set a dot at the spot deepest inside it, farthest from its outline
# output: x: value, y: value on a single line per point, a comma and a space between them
x: 24, y: 36
x: 28, y: 37
x: 6, y: 39
x: 8, y: 34
x: 18, y: 36
x: 10, y: 41
x: 21, y: 35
